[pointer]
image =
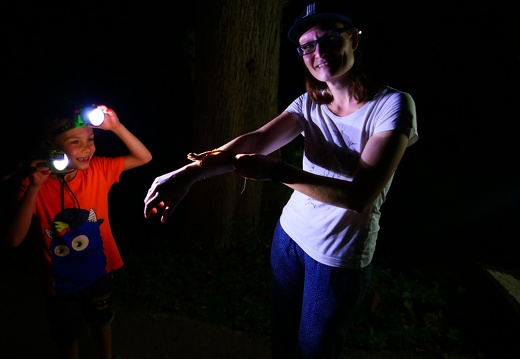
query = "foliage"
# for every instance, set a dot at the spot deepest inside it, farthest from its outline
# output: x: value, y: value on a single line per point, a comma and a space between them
x: 226, y: 287
x: 405, y: 312
x: 231, y: 288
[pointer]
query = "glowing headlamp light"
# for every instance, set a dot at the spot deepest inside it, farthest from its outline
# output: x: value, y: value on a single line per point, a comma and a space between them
x: 57, y: 160
x: 90, y: 115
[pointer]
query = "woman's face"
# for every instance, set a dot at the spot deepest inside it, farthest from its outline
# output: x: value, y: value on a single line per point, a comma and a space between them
x: 328, y: 50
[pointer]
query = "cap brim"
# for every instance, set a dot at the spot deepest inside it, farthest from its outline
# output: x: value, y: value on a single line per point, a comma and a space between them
x: 303, y: 24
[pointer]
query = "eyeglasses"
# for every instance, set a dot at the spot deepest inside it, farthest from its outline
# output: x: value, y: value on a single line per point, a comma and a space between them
x: 331, y: 38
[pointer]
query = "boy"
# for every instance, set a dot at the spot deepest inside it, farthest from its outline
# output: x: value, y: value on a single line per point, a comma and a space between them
x: 66, y: 210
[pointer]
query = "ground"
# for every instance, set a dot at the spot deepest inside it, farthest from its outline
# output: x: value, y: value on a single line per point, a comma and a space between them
x: 138, y: 334
x: 143, y: 335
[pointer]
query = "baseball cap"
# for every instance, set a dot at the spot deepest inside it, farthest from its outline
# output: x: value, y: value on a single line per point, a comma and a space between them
x: 312, y: 14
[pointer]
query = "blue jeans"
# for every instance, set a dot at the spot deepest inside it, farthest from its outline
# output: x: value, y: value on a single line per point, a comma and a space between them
x: 313, y: 305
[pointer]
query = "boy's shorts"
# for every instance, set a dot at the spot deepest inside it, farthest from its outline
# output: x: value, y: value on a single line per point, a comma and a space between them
x: 67, y: 312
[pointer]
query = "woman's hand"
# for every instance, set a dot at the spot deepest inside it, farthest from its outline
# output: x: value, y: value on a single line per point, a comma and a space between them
x: 166, y: 192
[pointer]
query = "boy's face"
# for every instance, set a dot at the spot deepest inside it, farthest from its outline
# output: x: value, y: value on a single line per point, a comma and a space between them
x: 78, y: 145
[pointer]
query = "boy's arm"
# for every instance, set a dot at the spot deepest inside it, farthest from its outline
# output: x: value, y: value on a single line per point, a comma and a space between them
x: 21, y: 220
x: 139, y: 154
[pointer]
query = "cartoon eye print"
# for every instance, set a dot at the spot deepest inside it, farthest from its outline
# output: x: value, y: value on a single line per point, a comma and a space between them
x: 80, y: 243
x: 61, y: 250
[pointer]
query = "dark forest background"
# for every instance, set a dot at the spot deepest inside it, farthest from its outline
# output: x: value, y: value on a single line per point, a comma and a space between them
x: 454, y: 202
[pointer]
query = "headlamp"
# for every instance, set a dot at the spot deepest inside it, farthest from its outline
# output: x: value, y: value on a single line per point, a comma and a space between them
x: 90, y: 115
x: 58, y: 160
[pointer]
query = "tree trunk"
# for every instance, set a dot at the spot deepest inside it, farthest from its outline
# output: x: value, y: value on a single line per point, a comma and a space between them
x: 236, y: 91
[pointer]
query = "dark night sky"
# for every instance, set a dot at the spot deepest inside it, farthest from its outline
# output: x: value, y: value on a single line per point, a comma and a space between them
x: 459, y: 60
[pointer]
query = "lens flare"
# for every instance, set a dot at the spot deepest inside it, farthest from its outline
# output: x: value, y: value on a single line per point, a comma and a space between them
x: 96, y: 117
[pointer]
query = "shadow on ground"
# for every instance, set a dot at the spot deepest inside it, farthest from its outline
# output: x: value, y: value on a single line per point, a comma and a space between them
x: 138, y: 334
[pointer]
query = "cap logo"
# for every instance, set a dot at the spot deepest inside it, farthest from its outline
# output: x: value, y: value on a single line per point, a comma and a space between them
x: 310, y: 10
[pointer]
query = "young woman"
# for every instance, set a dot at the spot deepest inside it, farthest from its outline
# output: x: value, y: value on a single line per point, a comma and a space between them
x: 355, y: 134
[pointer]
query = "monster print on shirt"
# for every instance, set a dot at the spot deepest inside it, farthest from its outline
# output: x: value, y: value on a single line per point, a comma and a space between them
x: 76, y: 248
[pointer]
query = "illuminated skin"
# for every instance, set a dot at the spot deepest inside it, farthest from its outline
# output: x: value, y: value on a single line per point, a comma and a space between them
x: 78, y: 145
x: 330, y: 63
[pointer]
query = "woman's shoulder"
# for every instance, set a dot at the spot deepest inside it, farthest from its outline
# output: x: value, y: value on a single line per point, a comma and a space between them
x: 298, y: 103
x: 389, y: 91
x: 392, y: 95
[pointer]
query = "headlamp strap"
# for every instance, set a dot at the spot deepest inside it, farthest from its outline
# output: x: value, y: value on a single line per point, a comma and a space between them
x: 76, y: 122
x: 67, y: 126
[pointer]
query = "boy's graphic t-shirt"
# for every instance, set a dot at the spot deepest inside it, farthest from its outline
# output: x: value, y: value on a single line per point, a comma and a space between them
x: 72, y: 226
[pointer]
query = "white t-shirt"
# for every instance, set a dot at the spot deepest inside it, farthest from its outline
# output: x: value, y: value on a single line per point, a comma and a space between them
x: 336, y: 236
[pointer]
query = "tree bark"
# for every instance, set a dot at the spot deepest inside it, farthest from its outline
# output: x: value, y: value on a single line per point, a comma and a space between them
x: 237, y: 47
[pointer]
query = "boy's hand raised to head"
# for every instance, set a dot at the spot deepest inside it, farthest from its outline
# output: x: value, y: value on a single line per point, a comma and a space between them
x: 111, y: 119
